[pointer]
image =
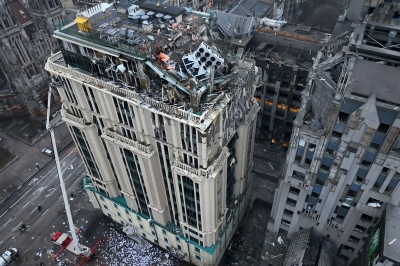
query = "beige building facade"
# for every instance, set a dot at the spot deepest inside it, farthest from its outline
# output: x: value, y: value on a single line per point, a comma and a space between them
x: 176, y: 167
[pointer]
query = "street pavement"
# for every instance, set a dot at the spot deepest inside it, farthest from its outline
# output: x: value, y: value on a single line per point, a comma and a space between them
x: 44, y: 190
x: 23, y: 167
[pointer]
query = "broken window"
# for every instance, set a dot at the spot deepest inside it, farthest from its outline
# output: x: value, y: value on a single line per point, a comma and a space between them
x: 298, y: 175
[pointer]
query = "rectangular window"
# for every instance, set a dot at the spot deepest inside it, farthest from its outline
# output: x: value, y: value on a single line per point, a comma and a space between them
x: 366, y: 218
x: 197, y: 250
x: 105, y: 206
x: 179, y: 247
x: 349, y: 249
x: 360, y: 229
x: 101, y: 198
x: 144, y: 235
x: 354, y: 239
x: 129, y: 220
x: 177, y: 239
x: 287, y: 212
x: 165, y: 240
x: 164, y: 232
x: 294, y: 190
x: 118, y: 214
x: 291, y: 202
x: 298, y: 175
x: 198, y: 257
x: 392, y: 184
x: 141, y: 226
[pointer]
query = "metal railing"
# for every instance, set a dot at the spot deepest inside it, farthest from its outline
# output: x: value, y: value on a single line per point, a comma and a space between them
x: 135, y: 144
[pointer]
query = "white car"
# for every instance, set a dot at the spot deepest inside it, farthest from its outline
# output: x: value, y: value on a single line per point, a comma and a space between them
x: 7, y: 256
x: 48, y: 152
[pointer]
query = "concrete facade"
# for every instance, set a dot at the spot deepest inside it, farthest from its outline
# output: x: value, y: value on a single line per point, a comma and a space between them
x: 342, y: 164
x: 177, y: 171
x: 285, y: 63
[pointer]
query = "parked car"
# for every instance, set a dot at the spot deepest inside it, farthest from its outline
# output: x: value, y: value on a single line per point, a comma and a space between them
x: 8, y: 256
x: 48, y: 152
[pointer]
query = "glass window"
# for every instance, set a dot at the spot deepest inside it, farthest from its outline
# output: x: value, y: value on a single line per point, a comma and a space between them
x: 294, y: 190
x: 349, y: 249
x: 198, y: 257
x: 354, y: 239
x: 392, y: 184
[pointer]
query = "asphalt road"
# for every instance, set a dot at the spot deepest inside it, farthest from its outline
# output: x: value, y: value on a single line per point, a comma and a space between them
x: 44, y: 190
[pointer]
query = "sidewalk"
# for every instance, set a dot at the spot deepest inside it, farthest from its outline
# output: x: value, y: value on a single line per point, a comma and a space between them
x: 24, y: 166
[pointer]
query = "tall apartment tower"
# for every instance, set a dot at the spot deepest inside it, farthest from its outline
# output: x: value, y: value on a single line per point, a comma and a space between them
x: 165, y: 126
x: 342, y: 166
x: 24, y: 48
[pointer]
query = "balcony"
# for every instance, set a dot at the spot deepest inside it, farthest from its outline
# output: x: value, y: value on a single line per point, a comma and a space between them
x: 185, y: 168
x: 67, y: 116
x: 204, y: 173
x: 310, y: 214
x: 336, y: 224
x: 132, y: 145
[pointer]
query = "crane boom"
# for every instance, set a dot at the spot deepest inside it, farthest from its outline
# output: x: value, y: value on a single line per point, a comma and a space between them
x: 62, y: 184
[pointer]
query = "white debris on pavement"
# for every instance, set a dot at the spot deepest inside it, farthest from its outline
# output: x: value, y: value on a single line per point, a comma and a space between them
x: 118, y: 249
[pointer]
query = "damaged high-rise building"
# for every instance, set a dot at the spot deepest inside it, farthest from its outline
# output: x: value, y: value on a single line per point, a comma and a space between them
x: 164, y: 122
x: 342, y: 166
x: 26, y: 40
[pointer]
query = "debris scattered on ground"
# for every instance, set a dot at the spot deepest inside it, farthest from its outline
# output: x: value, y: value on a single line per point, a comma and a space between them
x: 118, y: 249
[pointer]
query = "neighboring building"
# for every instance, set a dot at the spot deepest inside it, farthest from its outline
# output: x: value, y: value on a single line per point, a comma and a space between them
x: 342, y: 166
x: 165, y: 126
x: 25, y: 44
x: 381, y: 247
x: 233, y: 29
x: 285, y: 57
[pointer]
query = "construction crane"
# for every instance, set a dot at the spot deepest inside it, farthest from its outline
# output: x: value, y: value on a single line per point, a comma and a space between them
x: 62, y: 239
